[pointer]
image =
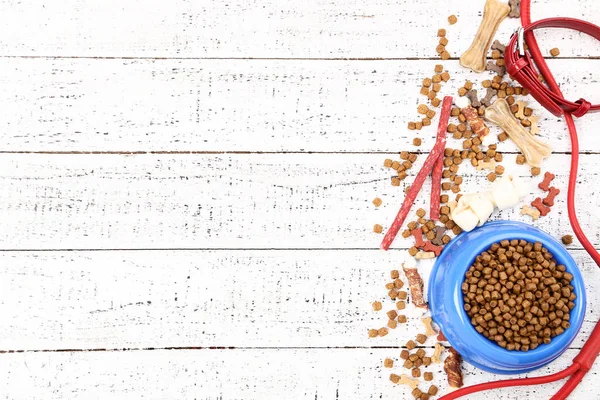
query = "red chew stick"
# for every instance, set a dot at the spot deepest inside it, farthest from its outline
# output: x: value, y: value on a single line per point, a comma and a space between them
x: 436, y: 183
x: 436, y: 152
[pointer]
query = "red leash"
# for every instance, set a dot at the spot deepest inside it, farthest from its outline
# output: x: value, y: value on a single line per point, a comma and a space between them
x: 520, y: 66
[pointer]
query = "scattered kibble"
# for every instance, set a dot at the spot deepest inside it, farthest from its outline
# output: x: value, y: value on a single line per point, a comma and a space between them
x: 377, y: 306
x: 377, y: 228
x: 388, y: 363
x: 452, y: 19
x: 555, y: 52
x: 377, y: 201
x: 567, y: 239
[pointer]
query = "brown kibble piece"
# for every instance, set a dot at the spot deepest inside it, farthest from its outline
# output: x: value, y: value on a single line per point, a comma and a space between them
x: 499, y: 170
x: 436, y: 102
x: 377, y: 228
x: 400, y: 305
x: 452, y: 19
x: 410, y: 345
x: 520, y: 159
x: 535, y: 171
x: 382, y: 332
x: 404, y: 354
x: 445, y: 55
x: 491, y: 177
x: 392, y: 314
x: 445, y: 76
x: 421, y: 213
x: 567, y: 239
x: 439, y: 67
x: 554, y: 52
x: 416, y: 372
x: 402, y: 295
x: 412, y: 126
x: 401, y: 319
x: 377, y: 306
x: 377, y: 201
x: 432, y: 390
x: 373, y: 333
x: 388, y: 363
x: 395, y: 181
x: 417, y: 141
x: 441, y: 33
x: 444, y: 41
x: 421, y: 338
x: 428, y: 376
x: 387, y: 163
x: 392, y: 324
x: 416, y: 393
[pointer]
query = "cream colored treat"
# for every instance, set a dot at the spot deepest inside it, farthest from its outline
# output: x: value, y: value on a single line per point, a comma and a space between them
x: 493, y: 13
x: 535, y: 129
x: 439, y: 349
x: 406, y: 380
x: 429, y: 331
x: 506, y: 192
x: 522, y: 105
x: 486, y: 165
x: 533, y: 149
x: 424, y: 255
x: 531, y: 211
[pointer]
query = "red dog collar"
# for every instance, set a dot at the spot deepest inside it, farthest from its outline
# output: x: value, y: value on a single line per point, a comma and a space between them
x: 520, y: 66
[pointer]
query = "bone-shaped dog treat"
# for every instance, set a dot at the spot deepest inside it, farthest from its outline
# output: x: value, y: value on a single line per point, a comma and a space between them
x: 492, y: 66
x: 520, y: 114
x: 545, y: 184
x: 493, y: 13
x: 429, y: 331
x: 535, y: 129
x: 486, y: 165
x: 487, y: 100
x: 418, y: 235
x: 537, y: 203
x: 472, y: 96
x: 515, y: 8
x: 432, y: 247
x: 425, y: 255
x: 532, y: 212
x: 435, y: 357
x: 439, y: 236
x: 549, y: 200
x: 533, y: 149
x: 498, y: 46
x: 475, y: 121
x: 405, y: 380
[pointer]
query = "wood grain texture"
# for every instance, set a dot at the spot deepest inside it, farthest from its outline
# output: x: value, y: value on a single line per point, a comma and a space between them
x: 250, y: 299
x: 239, y: 374
x: 242, y: 105
x: 262, y: 28
x: 231, y: 201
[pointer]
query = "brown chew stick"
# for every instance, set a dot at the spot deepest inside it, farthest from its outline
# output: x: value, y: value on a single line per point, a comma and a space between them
x: 552, y: 193
x: 436, y: 183
x: 545, y: 184
x: 542, y: 208
x: 475, y: 121
x: 452, y: 369
x: 415, y: 283
x: 493, y: 13
x: 411, y: 195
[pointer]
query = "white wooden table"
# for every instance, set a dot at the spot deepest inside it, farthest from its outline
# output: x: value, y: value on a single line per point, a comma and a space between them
x: 186, y: 186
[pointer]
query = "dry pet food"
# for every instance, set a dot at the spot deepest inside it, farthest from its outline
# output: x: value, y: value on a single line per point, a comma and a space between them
x: 377, y: 228
x: 542, y: 208
x: 555, y: 52
x: 517, y: 296
x: 377, y: 306
x: 388, y: 363
x: 377, y: 201
x: 567, y: 239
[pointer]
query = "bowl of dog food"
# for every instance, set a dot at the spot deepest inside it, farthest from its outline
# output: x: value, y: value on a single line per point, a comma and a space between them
x: 507, y: 296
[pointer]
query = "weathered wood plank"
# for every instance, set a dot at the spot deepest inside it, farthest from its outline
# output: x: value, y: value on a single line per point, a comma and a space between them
x: 229, y: 201
x: 262, y: 28
x: 239, y: 105
x: 240, y: 374
x: 161, y: 299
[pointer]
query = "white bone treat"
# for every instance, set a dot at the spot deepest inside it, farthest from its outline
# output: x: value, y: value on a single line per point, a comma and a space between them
x: 464, y: 217
x: 483, y: 206
x: 505, y: 192
x: 475, y: 57
x: 462, y: 102
x: 533, y: 149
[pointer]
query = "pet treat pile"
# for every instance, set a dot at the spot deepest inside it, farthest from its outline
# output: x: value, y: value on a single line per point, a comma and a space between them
x: 515, y: 292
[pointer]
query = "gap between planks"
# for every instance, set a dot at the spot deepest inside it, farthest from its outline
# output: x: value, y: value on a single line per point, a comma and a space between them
x: 187, y: 348
x: 51, y: 57
x: 213, y: 152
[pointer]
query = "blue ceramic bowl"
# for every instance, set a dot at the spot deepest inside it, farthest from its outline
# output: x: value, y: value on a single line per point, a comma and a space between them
x: 446, y: 299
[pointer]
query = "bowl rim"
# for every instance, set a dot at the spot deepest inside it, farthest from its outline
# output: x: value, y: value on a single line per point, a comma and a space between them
x: 448, y: 311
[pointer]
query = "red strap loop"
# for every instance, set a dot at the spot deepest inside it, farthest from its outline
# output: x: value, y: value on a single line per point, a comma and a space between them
x: 584, y: 107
